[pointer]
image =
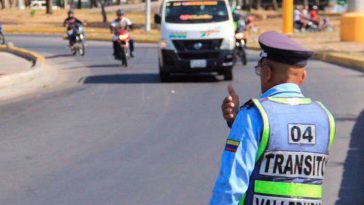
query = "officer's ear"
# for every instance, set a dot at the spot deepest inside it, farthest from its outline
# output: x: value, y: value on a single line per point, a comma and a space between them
x: 268, y: 73
x: 303, y: 76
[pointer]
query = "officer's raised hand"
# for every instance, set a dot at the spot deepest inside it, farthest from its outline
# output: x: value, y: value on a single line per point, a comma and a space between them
x: 230, y: 106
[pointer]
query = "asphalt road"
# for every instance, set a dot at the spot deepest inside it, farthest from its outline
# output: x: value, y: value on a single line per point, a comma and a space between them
x: 119, y: 136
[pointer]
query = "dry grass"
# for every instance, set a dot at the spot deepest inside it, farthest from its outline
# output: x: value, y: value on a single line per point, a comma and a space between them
x: 16, y: 21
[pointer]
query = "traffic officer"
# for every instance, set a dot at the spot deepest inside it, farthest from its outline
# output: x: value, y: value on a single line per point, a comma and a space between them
x: 278, y: 146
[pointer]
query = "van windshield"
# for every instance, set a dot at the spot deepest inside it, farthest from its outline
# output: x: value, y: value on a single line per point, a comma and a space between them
x: 196, y: 11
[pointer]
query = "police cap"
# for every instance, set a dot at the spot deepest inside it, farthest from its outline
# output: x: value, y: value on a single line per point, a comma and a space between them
x: 280, y: 48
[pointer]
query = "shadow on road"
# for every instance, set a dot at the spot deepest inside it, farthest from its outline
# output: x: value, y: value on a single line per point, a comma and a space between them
x: 105, y: 66
x: 115, y: 65
x: 58, y: 56
x: 147, y: 78
x: 352, y: 186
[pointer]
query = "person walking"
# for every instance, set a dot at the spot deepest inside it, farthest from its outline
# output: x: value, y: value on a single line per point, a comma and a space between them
x: 278, y: 146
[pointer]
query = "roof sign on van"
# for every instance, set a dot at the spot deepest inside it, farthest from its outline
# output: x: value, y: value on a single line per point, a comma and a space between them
x: 195, y: 17
x: 192, y: 3
x: 196, y: 11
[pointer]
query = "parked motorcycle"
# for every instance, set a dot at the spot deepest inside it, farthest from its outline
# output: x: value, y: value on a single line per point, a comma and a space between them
x: 240, y: 45
x: 123, y: 49
x: 312, y: 27
x: 2, y: 37
x: 78, y: 40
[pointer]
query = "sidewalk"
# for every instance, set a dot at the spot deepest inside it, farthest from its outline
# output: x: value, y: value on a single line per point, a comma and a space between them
x: 11, y: 63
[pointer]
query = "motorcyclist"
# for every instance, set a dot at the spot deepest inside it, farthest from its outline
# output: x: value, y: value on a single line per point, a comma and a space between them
x: 121, y: 23
x: 2, y: 38
x: 242, y: 26
x: 1, y: 26
x: 250, y: 24
x: 314, y: 16
x: 70, y: 22
x: 241, y: 35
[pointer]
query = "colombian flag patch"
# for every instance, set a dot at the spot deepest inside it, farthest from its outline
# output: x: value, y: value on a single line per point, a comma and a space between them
x: 231, y: 145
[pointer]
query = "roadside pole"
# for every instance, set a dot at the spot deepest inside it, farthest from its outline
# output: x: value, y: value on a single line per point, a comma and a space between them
x: 147, y: 15
x: 287, y: 16
x: 352, y: 23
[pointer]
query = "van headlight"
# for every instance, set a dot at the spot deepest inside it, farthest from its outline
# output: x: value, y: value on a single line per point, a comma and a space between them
x: 166, y: 44
x: 228, y: 44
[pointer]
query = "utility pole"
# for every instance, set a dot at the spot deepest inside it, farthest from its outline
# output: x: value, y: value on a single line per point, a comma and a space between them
x: 287, y: 16
x: 147, y: 15
x: 352, y: 23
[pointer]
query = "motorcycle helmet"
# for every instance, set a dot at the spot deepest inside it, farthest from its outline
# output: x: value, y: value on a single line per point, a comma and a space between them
x: 250, y: 19
x: 120, y: 12
x: 70, y: 12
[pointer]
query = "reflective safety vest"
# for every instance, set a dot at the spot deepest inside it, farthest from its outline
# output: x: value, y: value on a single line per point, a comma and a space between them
x: 293, y: 152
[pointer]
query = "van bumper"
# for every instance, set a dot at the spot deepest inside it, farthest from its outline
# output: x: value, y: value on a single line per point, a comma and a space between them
x: 216, y: 61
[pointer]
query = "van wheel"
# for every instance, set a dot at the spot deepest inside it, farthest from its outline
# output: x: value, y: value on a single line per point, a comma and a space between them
x: 228, y: 75
x: 163, y: 76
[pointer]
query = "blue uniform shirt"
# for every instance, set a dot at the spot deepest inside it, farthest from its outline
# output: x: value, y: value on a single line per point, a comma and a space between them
x: 236, y: 168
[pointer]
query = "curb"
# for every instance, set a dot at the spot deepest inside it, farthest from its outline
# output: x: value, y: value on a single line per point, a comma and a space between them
x: 253, y: 46
x: 346, y: 60
x: 34, y: 57
x: 37, y: 71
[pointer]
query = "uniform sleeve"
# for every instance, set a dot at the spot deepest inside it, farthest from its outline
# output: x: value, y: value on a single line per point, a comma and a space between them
x: 238, y: 164
x: 113, y: 24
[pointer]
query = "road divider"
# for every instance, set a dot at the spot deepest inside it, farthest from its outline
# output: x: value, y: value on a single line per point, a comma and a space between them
x: 29, y: 55
x: 39, y: 75
x: 343, y: 59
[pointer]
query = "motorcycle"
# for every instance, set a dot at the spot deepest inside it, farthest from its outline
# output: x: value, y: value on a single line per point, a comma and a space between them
x: 78, y: 40
x: 123, y: 49
x: 2, y: 37
x: 240, y: 45
x: 312, y: 27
